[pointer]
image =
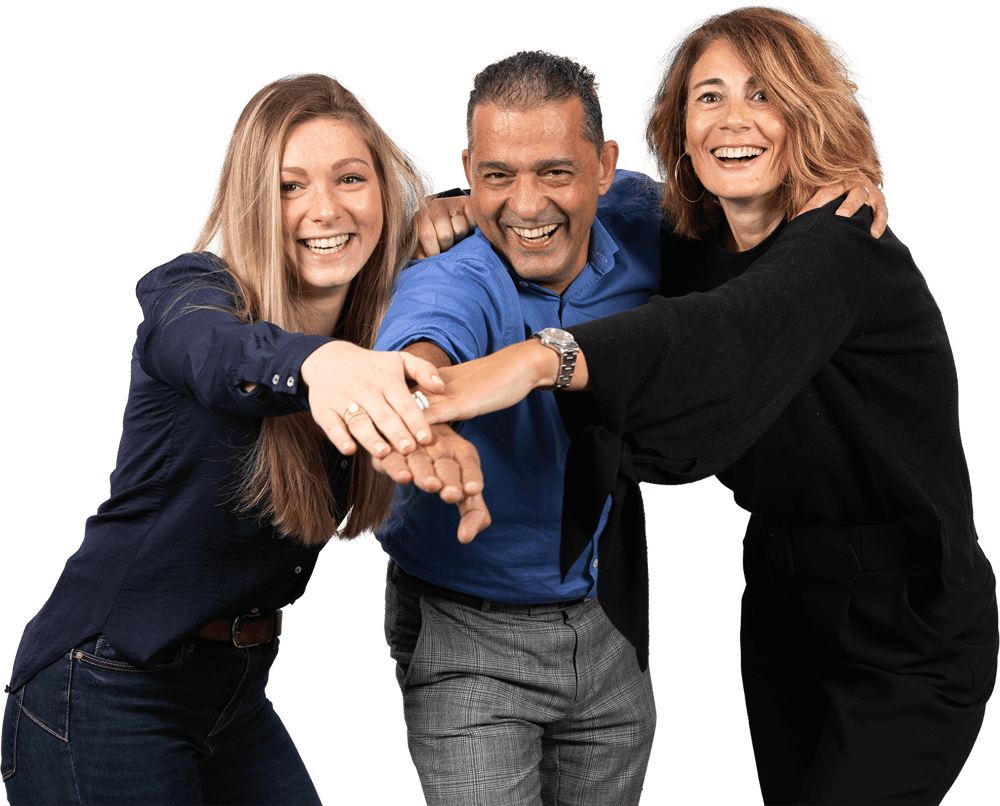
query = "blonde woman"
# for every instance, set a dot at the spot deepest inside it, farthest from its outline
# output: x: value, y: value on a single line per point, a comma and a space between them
x: 142, y: 678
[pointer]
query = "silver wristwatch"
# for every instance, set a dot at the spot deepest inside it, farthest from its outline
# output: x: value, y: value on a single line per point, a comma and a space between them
x: 564, y: 344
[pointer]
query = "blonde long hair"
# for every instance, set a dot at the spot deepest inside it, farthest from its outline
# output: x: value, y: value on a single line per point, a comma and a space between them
x: 286, y: 479
x: 828, y: 137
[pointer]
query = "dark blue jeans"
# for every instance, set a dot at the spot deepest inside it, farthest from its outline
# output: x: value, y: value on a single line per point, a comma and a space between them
x: 194, y: 727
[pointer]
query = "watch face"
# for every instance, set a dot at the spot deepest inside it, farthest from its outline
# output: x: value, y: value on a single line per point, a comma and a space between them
x: 560, y: 338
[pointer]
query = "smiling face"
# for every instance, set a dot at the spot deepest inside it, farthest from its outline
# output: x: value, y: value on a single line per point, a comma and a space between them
x: 535, y: 182
x: 734, y: 136
x: 331, y: 207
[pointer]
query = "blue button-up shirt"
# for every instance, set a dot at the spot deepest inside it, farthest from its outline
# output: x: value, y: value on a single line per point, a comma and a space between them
x: 470, y: 303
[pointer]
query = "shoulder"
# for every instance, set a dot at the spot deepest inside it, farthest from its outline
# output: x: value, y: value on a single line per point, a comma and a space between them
x: 468, y: 265
x: 186, y: 268
x: 845, y: 236
x: 631, y: 192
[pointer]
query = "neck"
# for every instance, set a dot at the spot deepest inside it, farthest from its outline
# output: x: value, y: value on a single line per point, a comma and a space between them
x: 749, y: 224
x: 320, y: 315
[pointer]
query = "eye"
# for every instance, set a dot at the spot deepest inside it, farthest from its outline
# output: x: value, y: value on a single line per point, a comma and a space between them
x: 290, y: 187
x: 352, y: 179
x: 759, y: 95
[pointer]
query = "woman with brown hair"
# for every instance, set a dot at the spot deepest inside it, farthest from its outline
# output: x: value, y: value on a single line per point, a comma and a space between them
x: 142, y: 678
x: 806, y: 364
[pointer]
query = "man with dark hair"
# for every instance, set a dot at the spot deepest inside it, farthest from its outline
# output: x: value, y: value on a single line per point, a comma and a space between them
x: 516, y: 687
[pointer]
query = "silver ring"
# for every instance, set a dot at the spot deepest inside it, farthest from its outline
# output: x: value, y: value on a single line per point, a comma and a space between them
x: 421, y: 400
x: 351, y: 412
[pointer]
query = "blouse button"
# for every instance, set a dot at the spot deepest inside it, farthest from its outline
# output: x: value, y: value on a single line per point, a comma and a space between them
x: 298, y: 569
x: 275, y: 379
x: 343, y: 463
x: 290, y: 381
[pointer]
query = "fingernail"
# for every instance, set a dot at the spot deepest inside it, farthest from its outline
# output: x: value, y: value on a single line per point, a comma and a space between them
x: 404, y: 444
x: 437, y: 379
x: 421, y: 435
x: 346, y: 446
x: 378, y: 447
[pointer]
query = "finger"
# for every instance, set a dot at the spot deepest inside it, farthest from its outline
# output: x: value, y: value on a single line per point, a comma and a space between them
x: 421, y: 371
x: 427, y: 235
x: 856, y: 199
x: 422, y: 469
x: 363, y: 430
x: 475, y: 517
x: 467, y: 458
x: 399, y: 417
x: 395, y: 466
x: 876, y: 200
x: 445, y: 232
x: 336, y: 431
x: 823, y: 196
x: 447, y: 469
x: 386, y: 424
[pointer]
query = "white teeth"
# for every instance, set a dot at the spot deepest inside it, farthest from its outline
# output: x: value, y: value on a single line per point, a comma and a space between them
x: 322, y: 246
x: 738, y: 153
x: 537, y: 232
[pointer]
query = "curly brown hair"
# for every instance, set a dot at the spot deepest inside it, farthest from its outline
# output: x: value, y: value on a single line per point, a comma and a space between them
x: 828, y: 138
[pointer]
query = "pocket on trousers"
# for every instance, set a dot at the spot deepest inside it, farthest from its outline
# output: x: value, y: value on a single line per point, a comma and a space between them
x: 100, y: 653
x: 8, y: 741
x: 403, y: 626
x: 45, y: 698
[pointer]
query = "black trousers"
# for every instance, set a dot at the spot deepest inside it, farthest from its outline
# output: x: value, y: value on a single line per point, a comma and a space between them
x: 868, y: 690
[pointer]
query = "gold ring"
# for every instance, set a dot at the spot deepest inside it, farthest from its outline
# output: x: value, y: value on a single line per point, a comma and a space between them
x: 352, y: 411
x: 457, y: 213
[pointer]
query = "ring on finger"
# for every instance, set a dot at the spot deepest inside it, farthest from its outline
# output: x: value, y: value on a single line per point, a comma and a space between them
x: 421, y: 400
x: 351, y: 412
x: 456, y: 213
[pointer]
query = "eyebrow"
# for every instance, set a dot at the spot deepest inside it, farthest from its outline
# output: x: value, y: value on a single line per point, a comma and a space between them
x: 336, y: 165
x: 752, y: 81
x: 542, y: 165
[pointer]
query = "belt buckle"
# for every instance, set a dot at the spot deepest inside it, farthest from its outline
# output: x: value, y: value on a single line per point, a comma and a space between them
x: 238, y: 625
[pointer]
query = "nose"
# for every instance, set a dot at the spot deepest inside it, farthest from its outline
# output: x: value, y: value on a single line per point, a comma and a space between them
x: 737, y: 117
x: 323, y: 203
x: 527, y: 198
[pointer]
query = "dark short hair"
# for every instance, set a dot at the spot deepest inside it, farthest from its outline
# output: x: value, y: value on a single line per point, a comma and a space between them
x: 533, y: 78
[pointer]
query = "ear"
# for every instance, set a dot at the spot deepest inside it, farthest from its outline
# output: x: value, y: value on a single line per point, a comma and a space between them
x: 607, y: 162
x: 466, y: 165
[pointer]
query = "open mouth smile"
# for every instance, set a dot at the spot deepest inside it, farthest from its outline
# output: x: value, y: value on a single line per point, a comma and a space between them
x: 739, y: 154
x: 535, y: 234
x: 325, y: 246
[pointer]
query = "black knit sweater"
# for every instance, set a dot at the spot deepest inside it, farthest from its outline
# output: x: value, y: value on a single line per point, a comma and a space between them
x: 812, y: 374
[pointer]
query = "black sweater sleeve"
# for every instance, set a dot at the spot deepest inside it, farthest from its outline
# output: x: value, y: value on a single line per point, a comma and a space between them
x: 694, y: 380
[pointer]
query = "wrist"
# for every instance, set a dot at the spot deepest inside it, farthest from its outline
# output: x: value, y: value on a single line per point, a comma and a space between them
x: 543, y: 363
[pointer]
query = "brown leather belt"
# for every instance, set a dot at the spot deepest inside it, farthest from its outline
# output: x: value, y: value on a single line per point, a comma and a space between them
x: 249, y: 630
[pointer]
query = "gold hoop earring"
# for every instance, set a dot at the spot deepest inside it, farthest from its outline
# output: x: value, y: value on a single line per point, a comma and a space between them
x: 677, y: 183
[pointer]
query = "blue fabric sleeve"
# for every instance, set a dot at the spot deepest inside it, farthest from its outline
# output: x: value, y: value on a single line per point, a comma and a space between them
x: 189, y: 341
x: 462, y: 305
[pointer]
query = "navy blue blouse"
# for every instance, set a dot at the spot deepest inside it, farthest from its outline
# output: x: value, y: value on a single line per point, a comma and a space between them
x: 166, y: 553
